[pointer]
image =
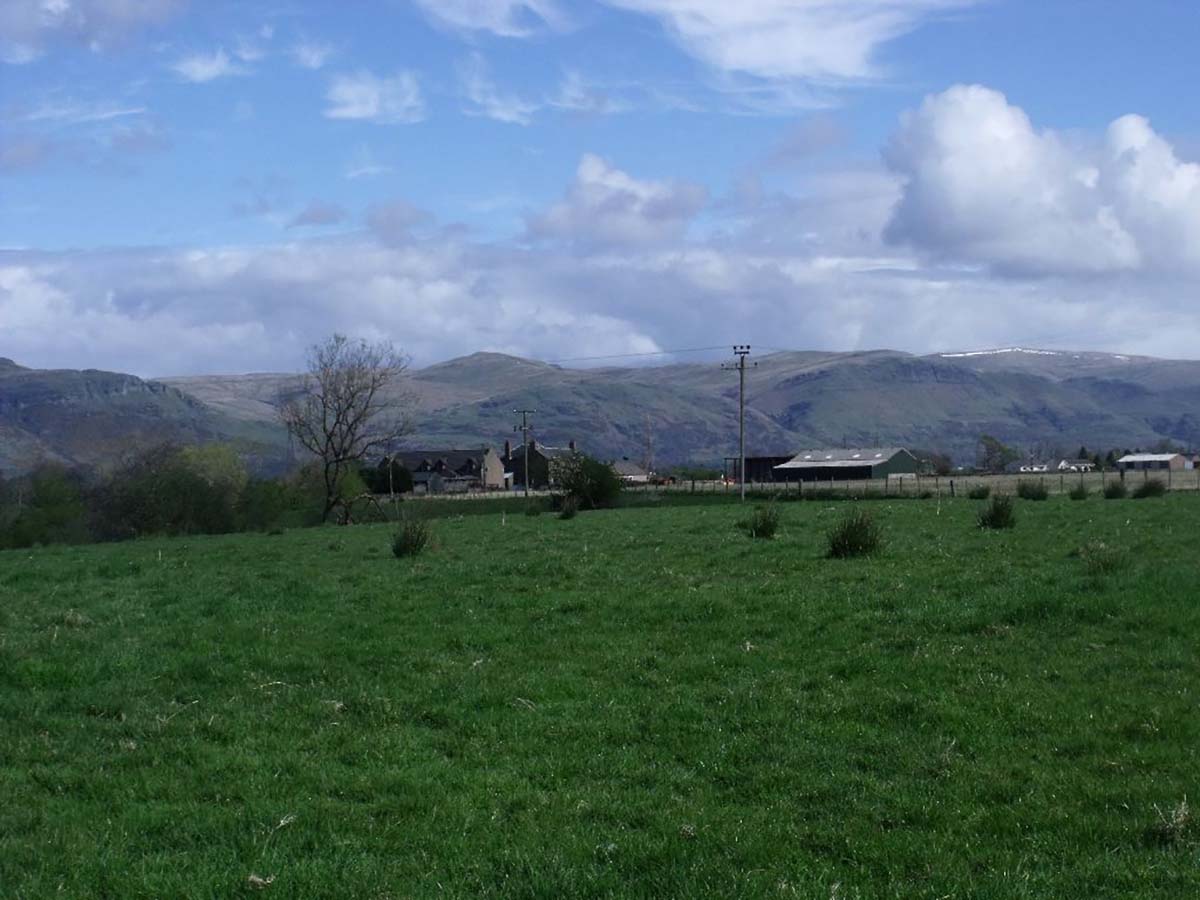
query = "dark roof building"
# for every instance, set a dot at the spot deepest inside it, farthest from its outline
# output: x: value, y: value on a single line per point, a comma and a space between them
x: 541, y: 473
x: 846, y: 464
x: 481, y: 465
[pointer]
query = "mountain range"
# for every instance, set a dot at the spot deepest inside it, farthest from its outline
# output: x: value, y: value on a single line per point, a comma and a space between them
x: 1041, y: 401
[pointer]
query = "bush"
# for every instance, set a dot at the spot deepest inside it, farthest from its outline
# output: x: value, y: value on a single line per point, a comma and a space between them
x: 980, y: 492
x: 857, y: 534
x: 1114, y: 490
x: 593, y: 484
x: 568, y: 508
x: 1032, y: 490
x: 1000, y: 513
x: 1079, y: 492
x: 763, y: 521
x: 1151, y: 488
x: 1100, y: 558
x: 533, y: 509
x: 411, y: 538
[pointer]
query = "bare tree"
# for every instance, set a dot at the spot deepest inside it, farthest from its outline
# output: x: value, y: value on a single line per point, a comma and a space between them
x: 345, y: 410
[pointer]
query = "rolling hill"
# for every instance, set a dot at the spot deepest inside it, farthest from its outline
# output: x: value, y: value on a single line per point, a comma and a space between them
x: 1039, y: 400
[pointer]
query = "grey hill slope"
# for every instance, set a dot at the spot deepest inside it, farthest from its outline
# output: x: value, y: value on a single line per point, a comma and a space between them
x: 1029, y: 398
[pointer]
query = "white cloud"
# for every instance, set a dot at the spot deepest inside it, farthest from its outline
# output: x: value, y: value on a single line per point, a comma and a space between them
x: 983, y: 186
x: 364, y: 165
x: 825, y: 40
x: 607, y: 206
x: 27, y: 27
x: 507, y: 18
x: 70, y: 112
x: 311, y: 54
x: 318, y: 213
x: 202, y: 67
x: 488, y: 100
x: 386, y: 100
x: 575, y: 94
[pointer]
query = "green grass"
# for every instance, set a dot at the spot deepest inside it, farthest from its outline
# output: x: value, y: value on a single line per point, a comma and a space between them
x: 636, y: 703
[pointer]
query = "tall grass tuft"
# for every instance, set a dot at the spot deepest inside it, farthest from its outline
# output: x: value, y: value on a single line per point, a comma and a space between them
x: 1032, y: 490
x: 1000, y: 513
x: 569, y: 507
x: 763, y: 521
x: 857, y: 534
x: 411, y: 538
x: 1114, y: 490
x: 1100, y: 558
x: 1079, y: 492
x: 1151, y: 488
x: 980, y: 492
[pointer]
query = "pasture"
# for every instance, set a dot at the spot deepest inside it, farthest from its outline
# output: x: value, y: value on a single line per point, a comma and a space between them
x: 642, y: 702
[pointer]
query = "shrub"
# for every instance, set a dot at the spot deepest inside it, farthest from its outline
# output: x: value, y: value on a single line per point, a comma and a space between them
x: 593, y: 484
x: 1114, y: 490
x: 763, y: 521
x: 533, y: 509
x: 857, y: 534
x: 1100, y: 558
x: 1032, y: 490
x: 980, y: 492
x: 411, y: 538
x: 1151, y: 488
x: 568, y: 508
x: 1079, y: 492
x: 1000, y: 513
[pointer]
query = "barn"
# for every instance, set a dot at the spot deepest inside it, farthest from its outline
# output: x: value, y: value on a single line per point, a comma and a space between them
x: 847, y: 464
x: 1133, y: 462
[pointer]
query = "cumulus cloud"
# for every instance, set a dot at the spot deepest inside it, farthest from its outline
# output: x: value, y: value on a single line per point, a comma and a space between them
x: 826, y: 40
x: 393, y: 223
x: 385, y: 100
x: 485, y: 99
x: 607, y: 206
x: 27, y: 27
x: 202, y: 67
x: 982, y: 185
x: 507, y: 18
x: 311, y: 54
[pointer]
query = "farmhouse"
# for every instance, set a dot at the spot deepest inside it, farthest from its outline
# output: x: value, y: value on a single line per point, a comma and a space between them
x: 1075, y: 465
x: 541, y: 472
x: 630, y: 472
x: 846, y: 464
x: 1150, y: 461
x: 441, y: 470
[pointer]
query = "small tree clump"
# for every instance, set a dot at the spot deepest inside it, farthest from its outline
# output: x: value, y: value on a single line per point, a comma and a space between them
x: 1114, y: 490
x: 1079, y: 492
x: 980, y: 492
x: 1000, y: 513
x: 857, y: 534
x: 1152, y: 488
x: 1032, y: 490
x: 763, y: 521
x: 593, y: 484
x: 411, y: 538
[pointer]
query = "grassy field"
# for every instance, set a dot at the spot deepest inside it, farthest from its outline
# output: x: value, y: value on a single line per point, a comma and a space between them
x: 636, y: 703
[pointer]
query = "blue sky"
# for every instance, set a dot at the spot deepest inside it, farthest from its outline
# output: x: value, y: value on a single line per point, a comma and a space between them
x: 213, y: 186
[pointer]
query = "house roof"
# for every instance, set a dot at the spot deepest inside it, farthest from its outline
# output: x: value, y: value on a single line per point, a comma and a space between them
x: 842, y: 457
x: 1148, y: 457
x: 454, y: 459
x: 518, y: 452
x: 625, y: 467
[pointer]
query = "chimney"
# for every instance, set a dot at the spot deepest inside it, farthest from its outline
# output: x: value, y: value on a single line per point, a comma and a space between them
x: 571, y: 445
x: 507, y: 449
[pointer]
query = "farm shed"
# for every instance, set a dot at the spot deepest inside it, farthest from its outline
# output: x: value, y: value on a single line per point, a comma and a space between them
x: 847, y: 464
x: 1153, y: 461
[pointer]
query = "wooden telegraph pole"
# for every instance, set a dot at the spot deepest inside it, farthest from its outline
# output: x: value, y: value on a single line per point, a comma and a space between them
x: 525, y: 428
x: 741, y: 351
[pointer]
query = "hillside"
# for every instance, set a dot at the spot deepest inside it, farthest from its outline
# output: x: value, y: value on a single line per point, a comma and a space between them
x: 1035, y: 399
x: 93, y: 418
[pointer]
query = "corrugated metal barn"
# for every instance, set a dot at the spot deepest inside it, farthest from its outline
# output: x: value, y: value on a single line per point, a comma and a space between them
x: 849, y: 464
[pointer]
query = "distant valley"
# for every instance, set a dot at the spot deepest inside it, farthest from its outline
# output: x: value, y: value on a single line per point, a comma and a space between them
x: 1034, y: 399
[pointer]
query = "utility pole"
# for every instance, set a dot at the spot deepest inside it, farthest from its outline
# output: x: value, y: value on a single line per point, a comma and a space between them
x: 525, y: 428
x: 741, y: 351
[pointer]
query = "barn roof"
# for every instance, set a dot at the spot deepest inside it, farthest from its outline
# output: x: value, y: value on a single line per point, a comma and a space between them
x: 1148, y: 457
x: 842, y: 457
